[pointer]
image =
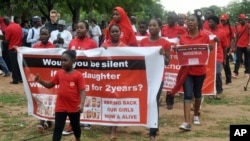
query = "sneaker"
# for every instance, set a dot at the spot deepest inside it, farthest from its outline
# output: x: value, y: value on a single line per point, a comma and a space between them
x: 1, y: 72
x: 196, y: 120
x: 185, y: 126
x: 234, y: 75
x: 68, y: 130
x: 170, y: 101
x: 6, y: 75
x: 86, y: 126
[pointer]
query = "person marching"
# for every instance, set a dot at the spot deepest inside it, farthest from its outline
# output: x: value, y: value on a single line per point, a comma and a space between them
x: 242, y: 45
x: 226, y: 27
x: 155, y: 40
x: 71, y: 95
x: 192, y: 77
x: 114, y: 41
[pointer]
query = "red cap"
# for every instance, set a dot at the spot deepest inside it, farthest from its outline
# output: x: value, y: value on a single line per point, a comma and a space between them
x: 224, y: 17
x: 242, y: 16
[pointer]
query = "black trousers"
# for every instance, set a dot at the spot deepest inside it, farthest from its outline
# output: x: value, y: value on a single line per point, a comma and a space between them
x: 16, y: 75
x: 152, y: 131
x: 239, y: 53
x: 60, y: 118
x: 227, y: 69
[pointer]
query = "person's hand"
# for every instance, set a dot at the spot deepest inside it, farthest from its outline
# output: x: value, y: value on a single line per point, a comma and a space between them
x: 216, y: 39
x: 80, y: 110
x: 210, y: 47
x: 162, y: 51
x: 37, y: 78
x: 248, y: 47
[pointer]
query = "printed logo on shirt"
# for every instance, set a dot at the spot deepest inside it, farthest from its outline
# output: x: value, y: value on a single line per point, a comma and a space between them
x: 71, y: 84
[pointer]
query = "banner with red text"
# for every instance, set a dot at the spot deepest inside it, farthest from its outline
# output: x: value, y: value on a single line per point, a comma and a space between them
x: 121, y: 83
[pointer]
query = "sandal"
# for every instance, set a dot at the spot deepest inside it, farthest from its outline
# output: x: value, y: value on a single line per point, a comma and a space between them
x: 40, y: 128
x: 113, y: 138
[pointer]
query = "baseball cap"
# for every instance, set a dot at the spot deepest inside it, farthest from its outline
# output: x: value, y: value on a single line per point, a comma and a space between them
x: 61, y: 22
x: 224, y: 17
x: 36, y: 19
x: 242, y: 16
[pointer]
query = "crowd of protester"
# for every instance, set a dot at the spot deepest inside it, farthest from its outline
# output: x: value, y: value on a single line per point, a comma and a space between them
x: 233, y: 42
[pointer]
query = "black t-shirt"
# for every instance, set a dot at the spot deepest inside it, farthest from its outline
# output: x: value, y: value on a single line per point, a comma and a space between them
x: 51, y: 26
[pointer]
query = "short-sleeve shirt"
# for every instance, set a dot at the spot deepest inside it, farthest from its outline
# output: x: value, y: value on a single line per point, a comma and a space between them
x: 13, y: 34
x: 161, y: 42
x: 68, y: 96
x: 202, y: 38
x: 172, y: 32
x: 243, y: 34
x: 221, y: 45
x: 41, y: 45
x: 82, y: 44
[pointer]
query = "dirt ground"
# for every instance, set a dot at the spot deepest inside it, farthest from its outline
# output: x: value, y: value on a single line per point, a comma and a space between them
x: 216, y: 116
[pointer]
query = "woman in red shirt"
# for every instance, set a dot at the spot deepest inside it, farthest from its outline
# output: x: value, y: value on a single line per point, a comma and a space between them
x: 114, y: 41
x: 194, y: 75
x: 155, y: 40
x: 127, y: 34
x: 71, y: 95
x: 82, y: 41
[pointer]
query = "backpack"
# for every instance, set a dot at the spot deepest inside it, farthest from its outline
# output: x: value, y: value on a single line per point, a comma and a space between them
x: 24, y: 40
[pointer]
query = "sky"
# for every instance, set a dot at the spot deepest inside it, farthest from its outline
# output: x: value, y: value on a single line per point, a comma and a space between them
x: 184, y: 6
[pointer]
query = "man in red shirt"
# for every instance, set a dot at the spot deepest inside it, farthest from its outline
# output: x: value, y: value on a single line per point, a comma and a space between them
x: 172, y: 30
x: 13, y: 35
x: 221, y: 50
x: 209, y: 12
x: 242, y: 43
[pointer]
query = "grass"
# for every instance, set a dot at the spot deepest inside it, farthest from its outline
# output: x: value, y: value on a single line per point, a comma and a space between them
x: 19, y: 126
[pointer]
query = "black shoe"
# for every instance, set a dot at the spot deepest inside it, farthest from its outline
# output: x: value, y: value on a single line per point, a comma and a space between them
x: 20, y: 81
x: 6, y: 74
x: 228, y: 82
x: 14, y: 82
x: 170, y: 101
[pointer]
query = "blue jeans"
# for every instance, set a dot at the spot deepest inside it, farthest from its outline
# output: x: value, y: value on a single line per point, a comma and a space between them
x: 193, y: 87
x: 4, y: 66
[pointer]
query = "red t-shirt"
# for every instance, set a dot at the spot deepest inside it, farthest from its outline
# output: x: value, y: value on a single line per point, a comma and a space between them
x: 243, y: 32
x: 228, y: 35
x: 202, y: 38
x: 161, y: 42
x: 145, y: 42
x: 82, y: 44
x: 221, y: 45
x: 109, y: 44
x: 13, y: 34
x: 68, y: 96
x: 41, y: 45
x: 172, y: 32
x: 206, y: 25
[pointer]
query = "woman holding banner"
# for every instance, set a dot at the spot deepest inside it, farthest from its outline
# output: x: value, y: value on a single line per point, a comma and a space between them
x: 114, y: 41
x: 155, y: 40
x: 192, y: 77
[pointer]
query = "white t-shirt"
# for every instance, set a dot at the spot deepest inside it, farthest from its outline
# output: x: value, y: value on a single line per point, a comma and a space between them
x: 65, y: 34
